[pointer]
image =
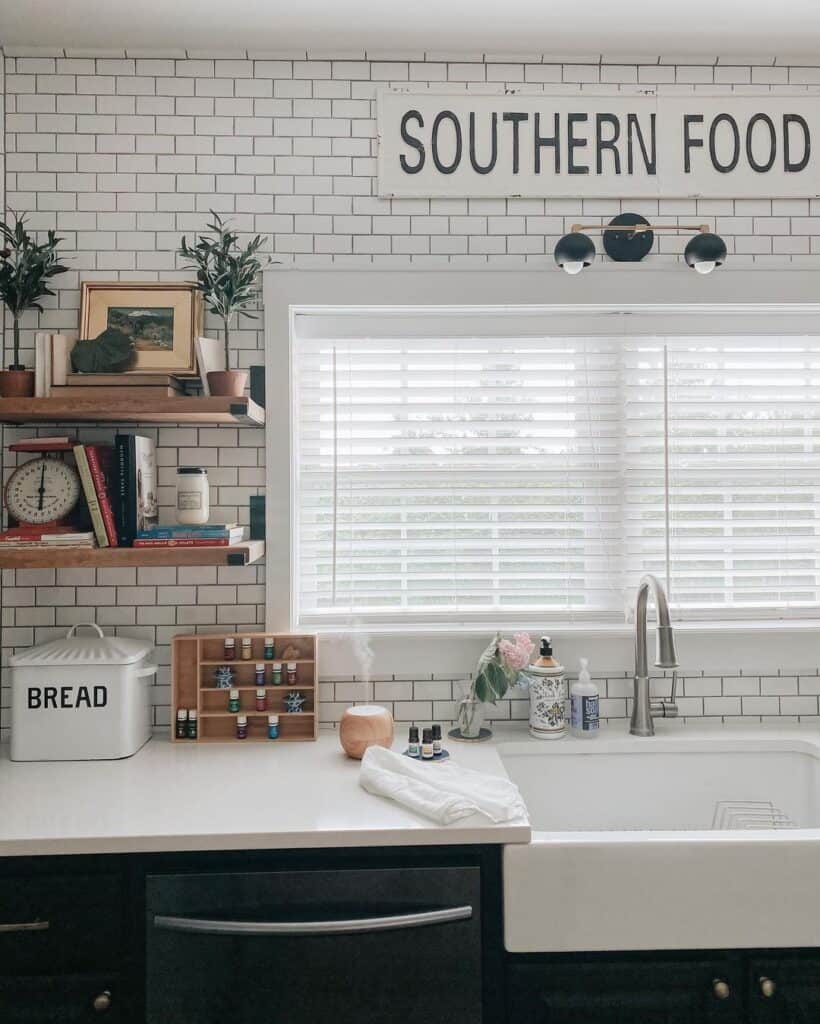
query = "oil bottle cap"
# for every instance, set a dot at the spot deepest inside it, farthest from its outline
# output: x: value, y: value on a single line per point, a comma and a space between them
x: 546, y: 647
x: 427, y: 735
x: 436, y: 732
x: 414, y: 734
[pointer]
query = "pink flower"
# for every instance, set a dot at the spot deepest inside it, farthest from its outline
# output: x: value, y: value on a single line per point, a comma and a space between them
x: 516, y: 652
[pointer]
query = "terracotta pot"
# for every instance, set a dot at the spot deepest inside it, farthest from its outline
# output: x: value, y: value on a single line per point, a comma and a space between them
x: 227, y: 383
x: 16, y: 383
x: 367, y: 725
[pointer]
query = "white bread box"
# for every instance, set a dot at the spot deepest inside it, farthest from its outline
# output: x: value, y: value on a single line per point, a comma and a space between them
x: 82, y: 698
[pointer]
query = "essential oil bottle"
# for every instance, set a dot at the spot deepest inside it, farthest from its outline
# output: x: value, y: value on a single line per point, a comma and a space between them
x: 182, y: 724
x: 192, y: 724
x: 233, y: 700
x: 241, y: 727
x: 427, y: 744
x: 269, y: 652
x: 413, y: 748
x: 273, y: 727
x: 438, y: 749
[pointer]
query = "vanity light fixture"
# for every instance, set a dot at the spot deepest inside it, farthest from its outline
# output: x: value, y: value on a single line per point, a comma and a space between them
x: 629, y: 237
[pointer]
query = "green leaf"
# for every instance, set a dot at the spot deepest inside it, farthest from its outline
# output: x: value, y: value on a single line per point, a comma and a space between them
x: 491, y: 683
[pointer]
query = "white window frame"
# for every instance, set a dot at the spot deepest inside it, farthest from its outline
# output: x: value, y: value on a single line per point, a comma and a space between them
x: 289, y: 291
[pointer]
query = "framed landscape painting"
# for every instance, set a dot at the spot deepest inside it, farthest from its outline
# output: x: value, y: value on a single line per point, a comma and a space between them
x: 162, y: 318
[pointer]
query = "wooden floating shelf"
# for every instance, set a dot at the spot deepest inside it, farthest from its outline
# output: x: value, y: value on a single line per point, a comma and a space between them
x: 110, y: 558
x: 237, y: 411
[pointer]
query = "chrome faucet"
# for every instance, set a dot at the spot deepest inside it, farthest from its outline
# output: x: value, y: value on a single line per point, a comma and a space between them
x: 644, y: 709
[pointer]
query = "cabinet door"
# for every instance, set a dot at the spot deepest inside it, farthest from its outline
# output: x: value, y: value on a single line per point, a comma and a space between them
x: 784, y: 988
x: 53, y: 924
x: 305, y: 947
x: 72, y: 999
x: 647, y: 990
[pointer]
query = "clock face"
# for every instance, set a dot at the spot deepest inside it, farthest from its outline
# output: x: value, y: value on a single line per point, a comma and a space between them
x: 42, y: 490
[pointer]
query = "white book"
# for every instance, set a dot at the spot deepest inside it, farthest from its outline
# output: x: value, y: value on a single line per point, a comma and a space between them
x: 42, y: 365
x: 210, y: 357
x: 61, y: 346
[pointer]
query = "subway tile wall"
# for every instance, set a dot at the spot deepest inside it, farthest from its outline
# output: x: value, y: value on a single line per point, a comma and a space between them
x: 122, y: 153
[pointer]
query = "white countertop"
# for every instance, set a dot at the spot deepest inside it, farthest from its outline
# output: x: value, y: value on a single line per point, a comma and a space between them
x: 174, y: 796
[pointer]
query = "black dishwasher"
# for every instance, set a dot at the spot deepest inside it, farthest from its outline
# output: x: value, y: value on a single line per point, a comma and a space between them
x: 302, y: 947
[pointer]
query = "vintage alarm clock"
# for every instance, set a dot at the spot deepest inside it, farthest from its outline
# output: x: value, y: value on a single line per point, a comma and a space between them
x: 45, y: 490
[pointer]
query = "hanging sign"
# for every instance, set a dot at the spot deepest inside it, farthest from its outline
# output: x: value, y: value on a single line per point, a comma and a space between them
x: 727, y: 146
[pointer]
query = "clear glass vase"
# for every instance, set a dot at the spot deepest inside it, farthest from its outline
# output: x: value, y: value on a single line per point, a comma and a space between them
x: 470, y: 717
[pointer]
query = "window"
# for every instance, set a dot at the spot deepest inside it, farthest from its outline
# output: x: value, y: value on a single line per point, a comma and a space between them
x: 482, y: 466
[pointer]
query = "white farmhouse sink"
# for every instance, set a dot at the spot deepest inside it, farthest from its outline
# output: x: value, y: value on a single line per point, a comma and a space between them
x: 695, y: 838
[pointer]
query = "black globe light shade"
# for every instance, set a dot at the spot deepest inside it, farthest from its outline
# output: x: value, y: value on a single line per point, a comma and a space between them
x: 574, y: 252
x: 705, y: 252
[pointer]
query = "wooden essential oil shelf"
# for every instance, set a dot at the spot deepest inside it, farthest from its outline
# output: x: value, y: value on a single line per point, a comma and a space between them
x: 193, y: 660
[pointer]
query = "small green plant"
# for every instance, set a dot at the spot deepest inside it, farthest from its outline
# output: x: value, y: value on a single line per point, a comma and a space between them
x: 226, y: 274
x: 26, y: 267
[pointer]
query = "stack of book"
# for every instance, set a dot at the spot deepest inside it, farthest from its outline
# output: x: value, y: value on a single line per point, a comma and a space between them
x: 108, y: 387
x: 119, y: 486
x: 47, y: 537
x: 212, y: 535
x: 52, y: 361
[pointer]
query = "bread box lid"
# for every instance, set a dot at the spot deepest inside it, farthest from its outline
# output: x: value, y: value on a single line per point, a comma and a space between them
x: 84, y: 650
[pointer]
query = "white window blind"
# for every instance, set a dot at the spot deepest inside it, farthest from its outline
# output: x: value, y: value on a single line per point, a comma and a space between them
x: 520, y: 466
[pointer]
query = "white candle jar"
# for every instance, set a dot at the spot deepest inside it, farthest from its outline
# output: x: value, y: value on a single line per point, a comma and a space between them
x: 193, y: 496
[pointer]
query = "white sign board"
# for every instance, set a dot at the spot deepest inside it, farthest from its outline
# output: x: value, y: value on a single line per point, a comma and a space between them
x: 728, y: 146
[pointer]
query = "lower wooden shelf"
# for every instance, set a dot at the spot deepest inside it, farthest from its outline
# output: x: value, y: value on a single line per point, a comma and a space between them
x: 105, y: 558
x: 256, y: 714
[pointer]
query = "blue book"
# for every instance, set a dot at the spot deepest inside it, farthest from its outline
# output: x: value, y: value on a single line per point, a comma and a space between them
x: 179, y: 532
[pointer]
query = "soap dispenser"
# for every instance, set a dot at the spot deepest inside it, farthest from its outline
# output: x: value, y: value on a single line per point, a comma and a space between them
x: 547, y: 687
x: 583, y: 702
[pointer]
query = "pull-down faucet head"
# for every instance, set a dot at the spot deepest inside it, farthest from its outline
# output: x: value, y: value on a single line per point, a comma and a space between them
x: 643, y: 709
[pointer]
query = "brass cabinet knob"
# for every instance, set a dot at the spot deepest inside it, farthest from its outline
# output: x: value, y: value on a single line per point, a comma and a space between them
x: 102, y: 1002
x: 721, y: 989
x: 767, y: 987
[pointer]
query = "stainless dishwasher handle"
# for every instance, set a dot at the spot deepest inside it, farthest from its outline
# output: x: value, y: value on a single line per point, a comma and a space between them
x: 205, y: 926
x: 25, y: 926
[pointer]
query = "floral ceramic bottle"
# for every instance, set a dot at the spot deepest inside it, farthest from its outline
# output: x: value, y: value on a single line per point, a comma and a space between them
x: 548, y: 694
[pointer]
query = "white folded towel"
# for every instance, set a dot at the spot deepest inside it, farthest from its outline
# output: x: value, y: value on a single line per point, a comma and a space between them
x: 444, y: 792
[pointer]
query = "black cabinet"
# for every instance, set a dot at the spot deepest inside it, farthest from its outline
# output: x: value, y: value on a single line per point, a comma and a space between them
x: 59, y: 923
x: 62, y: 942
x: 784, y: 988
x: 628, y: 990
x: 82, y: 999
x: 366, y: 946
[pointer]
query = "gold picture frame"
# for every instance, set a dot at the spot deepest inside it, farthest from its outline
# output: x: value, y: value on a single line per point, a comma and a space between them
x: 165, y: 317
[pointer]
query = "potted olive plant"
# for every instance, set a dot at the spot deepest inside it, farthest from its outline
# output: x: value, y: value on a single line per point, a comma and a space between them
x: 26, y: 268
x: 226, y: 275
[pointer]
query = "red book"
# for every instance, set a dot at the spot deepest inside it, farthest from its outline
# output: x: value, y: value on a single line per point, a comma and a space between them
x: 195, y: 542
x: 99, y: 464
